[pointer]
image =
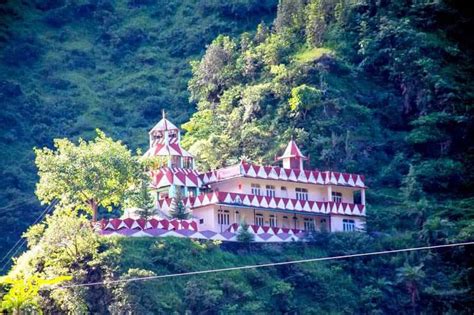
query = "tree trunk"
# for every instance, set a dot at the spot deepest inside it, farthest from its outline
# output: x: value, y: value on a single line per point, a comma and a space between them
x: 94, y: 206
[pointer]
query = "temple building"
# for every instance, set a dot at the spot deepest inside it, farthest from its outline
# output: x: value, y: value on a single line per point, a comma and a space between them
x: 278, y: 197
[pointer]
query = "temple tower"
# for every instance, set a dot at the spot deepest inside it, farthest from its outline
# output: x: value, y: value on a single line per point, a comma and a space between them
x: 165, y: 146
x: 292, y: 157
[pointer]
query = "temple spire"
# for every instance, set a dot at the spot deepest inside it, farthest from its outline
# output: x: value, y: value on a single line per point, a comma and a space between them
x: 292, y: 157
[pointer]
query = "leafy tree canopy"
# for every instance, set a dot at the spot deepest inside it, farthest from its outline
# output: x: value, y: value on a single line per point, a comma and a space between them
x: 86, y: 175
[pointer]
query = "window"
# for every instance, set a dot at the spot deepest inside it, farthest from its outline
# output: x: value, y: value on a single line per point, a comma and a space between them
x: 237, y: 217
x: 348, y: 225
x: 157, y: 136
x: 255, y: 189
x: 175, y: 161
x: 270, y: 191
x: 259, y: 219
x: 187, y: 162
x: 309, y: 224
x: 284, y: 192
x: 201, y: 221
x: 301, y: 193
x: 336, y: 196
x: 223, y: 217
x: 192, y: 192
x: 172, y: 134
x: 272, y: 221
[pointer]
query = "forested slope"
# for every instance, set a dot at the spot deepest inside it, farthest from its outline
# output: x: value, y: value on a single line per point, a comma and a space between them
x: 381, y: 88
x: 69, y: 67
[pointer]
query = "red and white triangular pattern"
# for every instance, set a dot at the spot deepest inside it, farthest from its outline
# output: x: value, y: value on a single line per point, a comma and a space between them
x: 292, y: 151
x: 162, y: 149
x: 278, y: 173
x: 267, y: 203
x: 164, y: 124
x: 178, y: 176
x: 141, y: 224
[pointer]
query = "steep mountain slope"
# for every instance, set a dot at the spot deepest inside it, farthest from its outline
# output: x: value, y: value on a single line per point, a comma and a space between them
x: 382, y: 88
x: 377, y: 87
x: 68, y: 67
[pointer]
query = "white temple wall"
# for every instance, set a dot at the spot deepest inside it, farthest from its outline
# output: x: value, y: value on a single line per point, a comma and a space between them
x: 347, y: 193
x: 337, y: 222
x: 208, y: 216
x: 315, y: 192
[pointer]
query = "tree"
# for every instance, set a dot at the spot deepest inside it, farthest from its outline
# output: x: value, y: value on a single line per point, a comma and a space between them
x: 87, y: 175
x: 290, y: 16
x: 23, y: 292
x: 140, y: 198
x: 178, y: 209
x: 414, y: 198
x: 318, y: 15
x: 304, y: 98
x: 412, y: 277
x: 67, y: 245
x: 215, y: 71
x: 243, y: 234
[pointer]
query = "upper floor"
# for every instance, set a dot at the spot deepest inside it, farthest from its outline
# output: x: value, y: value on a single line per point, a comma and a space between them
x: 174, y: 170
x: 290, y: 190
x: 165, y: 149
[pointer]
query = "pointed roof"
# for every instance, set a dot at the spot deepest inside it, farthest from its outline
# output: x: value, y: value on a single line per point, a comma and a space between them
x: 164, y: 124
x: 165, y: 150
x: 292, y: 151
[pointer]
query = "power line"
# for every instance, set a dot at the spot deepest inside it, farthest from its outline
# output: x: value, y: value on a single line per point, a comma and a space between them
x: 190, y: 273
x: 22, y: 241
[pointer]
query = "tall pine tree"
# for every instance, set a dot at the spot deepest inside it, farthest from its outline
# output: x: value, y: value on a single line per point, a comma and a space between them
x: 178, y: 209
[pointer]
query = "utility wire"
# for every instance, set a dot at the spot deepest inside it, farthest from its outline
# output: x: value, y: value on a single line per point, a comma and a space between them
x: 21, y: 240
x: 411, y: 249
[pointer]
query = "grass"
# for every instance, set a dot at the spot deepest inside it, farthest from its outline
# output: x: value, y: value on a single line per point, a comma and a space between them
x: 310, y: 54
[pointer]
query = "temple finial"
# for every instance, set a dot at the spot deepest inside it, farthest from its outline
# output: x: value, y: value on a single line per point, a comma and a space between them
x: 163, y: 113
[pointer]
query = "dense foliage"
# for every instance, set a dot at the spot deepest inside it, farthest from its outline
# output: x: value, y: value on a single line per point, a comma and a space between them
x: 401, y: 283
x: 381, y: 88
x: 89, y: 175
x: 70, y: 67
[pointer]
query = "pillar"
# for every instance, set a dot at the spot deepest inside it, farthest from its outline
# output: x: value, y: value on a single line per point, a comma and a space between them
x: 329, y: 193
x: 362, y: 197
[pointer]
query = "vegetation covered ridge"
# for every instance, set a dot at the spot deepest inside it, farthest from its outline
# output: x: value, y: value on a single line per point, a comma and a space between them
x: 381, y: 87
x: 69, y: 67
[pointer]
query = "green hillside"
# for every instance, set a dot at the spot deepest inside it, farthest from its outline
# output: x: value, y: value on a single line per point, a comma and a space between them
x: 69, y: 67
x: 381, y: 88
x: 419, y: 282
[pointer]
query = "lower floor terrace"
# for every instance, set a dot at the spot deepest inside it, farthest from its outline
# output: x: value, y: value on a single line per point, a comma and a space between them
x: 217, y: 211
x: 159, y: 227
x: 220, y: 217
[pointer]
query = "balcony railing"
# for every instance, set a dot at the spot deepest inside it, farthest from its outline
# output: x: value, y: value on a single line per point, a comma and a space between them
x: 265, y: 202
